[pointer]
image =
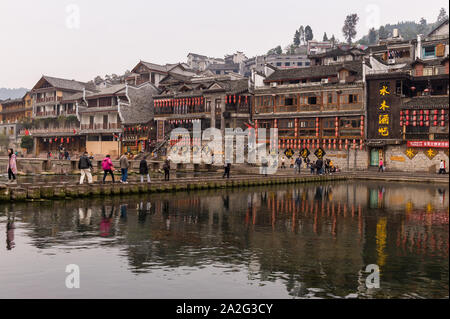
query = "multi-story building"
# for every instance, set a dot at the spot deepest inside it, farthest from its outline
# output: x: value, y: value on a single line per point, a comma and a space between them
x: 280, y: 61
x: 216, y: 101
x: 55, y: 124
x: 317, y: 110
x: 408, y: 107
x: 14, y: 113
x: 317, y: 47
x: 154, y: 73
x: 104, y: 115
x: 337, y: 55
x: 200, y: 62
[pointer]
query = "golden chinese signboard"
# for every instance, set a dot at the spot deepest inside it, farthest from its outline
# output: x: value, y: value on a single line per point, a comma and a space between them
x: 384, y: 110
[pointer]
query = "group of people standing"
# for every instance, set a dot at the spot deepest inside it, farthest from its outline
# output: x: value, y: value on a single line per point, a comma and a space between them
x: 86, y: 168
x: 319, y: 166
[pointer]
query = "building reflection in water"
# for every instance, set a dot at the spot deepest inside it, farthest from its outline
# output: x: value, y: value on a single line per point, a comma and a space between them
x: 315, y: 239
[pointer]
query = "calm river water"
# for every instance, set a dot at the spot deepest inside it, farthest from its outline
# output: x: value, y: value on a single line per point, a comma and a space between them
x: 311, y: 241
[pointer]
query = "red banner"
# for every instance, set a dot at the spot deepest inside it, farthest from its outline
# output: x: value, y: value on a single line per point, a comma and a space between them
x: 439, y: 144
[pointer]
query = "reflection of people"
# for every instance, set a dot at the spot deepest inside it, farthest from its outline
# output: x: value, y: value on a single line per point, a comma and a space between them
x: 105, y: 224
x: 10, y: 233
x: 85, y: 218
x: 264, y: 165
x: 123, y: 211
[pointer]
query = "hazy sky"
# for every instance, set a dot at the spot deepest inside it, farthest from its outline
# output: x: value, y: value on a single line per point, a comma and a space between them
x: 79, y: 39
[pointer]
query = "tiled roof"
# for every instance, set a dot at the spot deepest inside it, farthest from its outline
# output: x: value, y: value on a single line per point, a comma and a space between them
x: 65, y: 84
x: 140, y: 110
x: 428, y: 101
x: 314, y: 71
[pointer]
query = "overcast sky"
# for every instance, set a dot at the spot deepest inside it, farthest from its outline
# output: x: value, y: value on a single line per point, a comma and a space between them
x: 79, y: 39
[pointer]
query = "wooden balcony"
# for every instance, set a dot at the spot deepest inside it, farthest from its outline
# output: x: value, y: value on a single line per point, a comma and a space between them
x: 99, y: 127
x: 48, y: 99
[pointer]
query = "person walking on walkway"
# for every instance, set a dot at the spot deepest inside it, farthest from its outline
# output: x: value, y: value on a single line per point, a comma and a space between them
x: 124, y: 165
x: 319, y: 166
x: 283, y: 166
x: 381, y: 166
x: 166, y: 168
x: 108, y: 167
x: 66, y: 155
x: 227, y: 169
x: 298, y: 164
x: 85, y: 165
x: 143, y: 169
x: 442, y: 167
x: 12, y: 167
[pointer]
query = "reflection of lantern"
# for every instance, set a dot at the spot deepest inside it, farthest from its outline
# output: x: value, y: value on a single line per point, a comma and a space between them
x: 361, y: 145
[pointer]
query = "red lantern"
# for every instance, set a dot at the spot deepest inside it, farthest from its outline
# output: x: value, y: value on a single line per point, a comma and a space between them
x: 68, y: 139
x: 246, y: 99
x: 234, y: 99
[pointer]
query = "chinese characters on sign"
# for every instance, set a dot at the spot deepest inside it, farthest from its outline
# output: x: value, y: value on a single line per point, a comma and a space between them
x: 384, y: 110
x: 439, y: 144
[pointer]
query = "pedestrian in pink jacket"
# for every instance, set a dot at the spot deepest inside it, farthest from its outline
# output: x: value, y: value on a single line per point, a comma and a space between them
x: 108, y: 167
x: 12, y: 166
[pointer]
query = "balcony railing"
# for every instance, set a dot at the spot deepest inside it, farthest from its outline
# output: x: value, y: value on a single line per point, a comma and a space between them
x: 100, y: 126
x: 307, y: 108
x: 49, y: 130
x: 47, y: 113
x: 49, y: 99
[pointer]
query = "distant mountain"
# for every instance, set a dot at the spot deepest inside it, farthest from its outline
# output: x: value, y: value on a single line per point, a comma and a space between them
x: 12, y: 93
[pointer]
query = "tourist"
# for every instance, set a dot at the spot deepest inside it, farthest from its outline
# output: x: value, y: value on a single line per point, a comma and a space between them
x: 85, y: 165
x: 442, y: 167
x: 332, y: 168
x: 312, y: 166
x: 66, y: 155
x: 166, y: 168
x: 12, y: 167
x: 108, y: 167
x: 292, y: 163
x: 124, y: 165
x: 49, y: 155
x: 143, y: 170
x: 319, y: 166
x: 282, y: 162
x: 381, y: 166
x: 227, y: 169
x: 298, y: 164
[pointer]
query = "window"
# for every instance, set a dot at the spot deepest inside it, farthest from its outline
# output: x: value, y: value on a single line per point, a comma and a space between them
x: 153, y: 78
x: 307, y: 63
x: 217, y: 72
x: 398, y: 87
x: 299, y: 63
x: 107, y: 138
x: 287, y: 63
x: 279, y: 63
x: 93, y: 138
x: 330, y: 98
x: 429, y: 51
x: 312, y: 100
x: 352, y: 98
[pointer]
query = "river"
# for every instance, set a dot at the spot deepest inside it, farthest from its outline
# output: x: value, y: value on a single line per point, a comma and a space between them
x: 292, y: 241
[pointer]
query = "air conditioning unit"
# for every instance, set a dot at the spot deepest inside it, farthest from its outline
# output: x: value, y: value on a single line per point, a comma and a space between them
x: 324, y: 81
x: 391, y: 61
x: 273, y: 84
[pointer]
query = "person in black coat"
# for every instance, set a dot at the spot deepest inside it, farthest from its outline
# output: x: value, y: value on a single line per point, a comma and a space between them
x: 143, y: 170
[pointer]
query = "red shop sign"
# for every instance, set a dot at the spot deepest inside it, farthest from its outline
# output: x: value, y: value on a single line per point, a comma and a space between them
x: 442, y: 144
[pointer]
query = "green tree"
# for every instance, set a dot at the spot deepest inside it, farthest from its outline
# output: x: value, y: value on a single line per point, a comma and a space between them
x: 442, y: 15
x: 422, y: 28
x: 297, y: 38
x: 27, y: 143
x: 276, y: 50
x: 349, y: 28
x: 372, y: 36
x: 325, y: 38
x: 333, y: 39
x: 383, y: 33
x: 308, y: 34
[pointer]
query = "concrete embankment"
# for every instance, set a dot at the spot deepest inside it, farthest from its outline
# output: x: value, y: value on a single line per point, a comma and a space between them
x: 51, y: 191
